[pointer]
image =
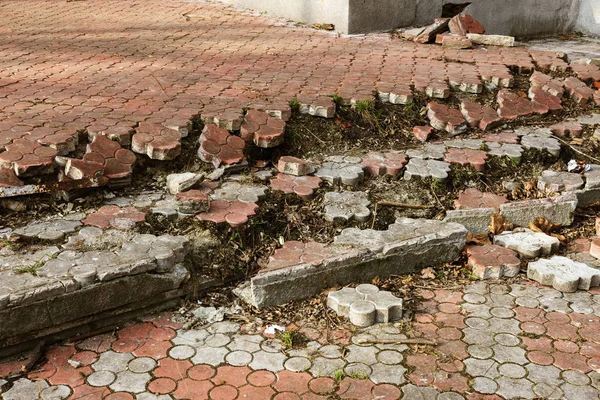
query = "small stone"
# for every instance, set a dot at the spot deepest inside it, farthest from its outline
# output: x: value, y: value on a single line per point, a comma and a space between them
x: 292, y: 166
x: 563, y: 274
x: 422, y: 133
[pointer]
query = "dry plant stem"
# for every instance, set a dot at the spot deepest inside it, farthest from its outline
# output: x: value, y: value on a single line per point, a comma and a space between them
x: 577, y: 151
x: 398, y: 341
x: 404, y: 205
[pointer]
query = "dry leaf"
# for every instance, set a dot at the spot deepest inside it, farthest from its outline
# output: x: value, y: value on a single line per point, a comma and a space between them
x: 478, y: 238
x: 499, y: 224
x: 428, y: 273
x: 543, y: 225
x: 376, y: 281
x: 577, y: 141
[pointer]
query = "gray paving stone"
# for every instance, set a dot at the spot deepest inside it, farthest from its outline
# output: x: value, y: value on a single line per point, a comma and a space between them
x: 558, y: 210
x: 563, y: 274
x: 477, y: 310
x: 477, y: 323
x: 249, y: 343
x: 547, y: 391
x: 576, y: 377
x: 112, y: 361
x: 428, y: 151
x: 393, y: 374
x: 477, y: 287
x: 59, y: 392
x: 512, y: 370
x: 210, y: 355
x: 528, y: 302
x: 595, y: 379
x: 181, y: 352
x: 426, y: 168
x: 177, y: 183
x: 476, y: 220
x: 297, y: 364
x: 449, y: 396
x: 480, y: 352
x: 504, y: 354
x: 223, y: 327
x: 152, y: 396
x: 506, y: 339
x: 554, y: 304
x: 485, y: 385
x: 558, y: 181
x: 510, y: 150
x: 333, y: 351
x: 579, y: 392
x: 502, y: 312
x: 365, y: 355
x: 192, y: 338
x: 217, y: 340
x: 270, y: 361
x: 527, y: 243
x: 357, y: 369
x: 501, y: 325
x: 550, y: 293
x: 478, y: 336
x: 518, y: 290
x: 52, y: 231
x: 486, y: 368
x: 141, y: 364
x: 238, y: 358
x: 582, y: 308
x: 346, y: 205
x: 413, y: 392
x: 272, y: 345
x: 341, y: 173
x: 322, y: 366
x: 390, y: 357
x: 474, y: 298
x: 541, y: 142
x: 235, y: 191
x: 474, y: 144
x: 101, y: 378
x: 510, y: 388
x: 128, y: 381
x: 25, y: 389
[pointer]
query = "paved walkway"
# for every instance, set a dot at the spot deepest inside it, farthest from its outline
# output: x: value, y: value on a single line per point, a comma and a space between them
x: 494, y: 341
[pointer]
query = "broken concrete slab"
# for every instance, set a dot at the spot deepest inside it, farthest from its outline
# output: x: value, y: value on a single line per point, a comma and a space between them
x: 558, y: 210
x: 475, y: 220
x: 491, y: 40
x: 359, y: 255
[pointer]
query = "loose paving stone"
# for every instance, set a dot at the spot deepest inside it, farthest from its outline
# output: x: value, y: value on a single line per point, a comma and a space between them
x: 567, y: 129
x: 541, y: 142
x: 303, y: 186
x: 115, y: 217
x: 473, y: 198
x: 365, y: 305
x: 156, y: 141
x: 492, y: 40
x: 388, y: 163
x: 443, y: 118
x: 346, y: 205
x: 217, y: 146
x: 294, y: 252
x: 235, y: 213
x: 559, y: 181
x: 426, y: 168
x: 428, y: 151
x: 547, y: 83
x: 193, y: 202
x: 262, y: 129
x: 177, y: 183
x: 476, y: 220
x: 543, y: 101
x: 492, y: 261
x: 465, y: 157
x: 293, y: 166
x: 527, y: 243
x: 512, y: 151
x: 558, y: 210
x: 343, y: 171
x: 422, y: 133
x: 478, y: 116
x: 563, y: 274
x: 51, y: 231
x: 317, y: 106
x: 578, y: 91
x: 394, y: 93
x: 235, y: 191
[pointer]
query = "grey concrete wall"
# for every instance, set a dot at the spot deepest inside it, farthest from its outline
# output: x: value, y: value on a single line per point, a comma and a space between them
x: 588, y: 18
x: 308, y: 11
x: 380, y: 15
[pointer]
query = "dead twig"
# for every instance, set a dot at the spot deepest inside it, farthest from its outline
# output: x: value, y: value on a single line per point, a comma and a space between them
x: 404, y: 205
x: 315, y: 136
x: 397, y: 341
x: 577, y: 151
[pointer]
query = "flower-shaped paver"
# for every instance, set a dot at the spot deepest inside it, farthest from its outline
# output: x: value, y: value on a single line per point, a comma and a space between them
x: 547, y: 84
x: 512, y: 105
x: 586, y: 72
x: 317, y: 106
x: 426, y: 168
x: 422, y: 132
x: 578, y: 91
x: 428, y: 151
x: 512, y: 151
x: 365, y: 305
x: 463, y: 77
x: 563, y: 274
x: 342, y: 171
x: 120, y: 133
x: 52, y: 231
x: 235, y: 191
x: 567, y: 129
x: 527, y: 243
x: 294, y: 253
x: 542, y: 101
x: 8, y: 178
x: 28, y: 158
x: 437, y: 88
x: 303, y: 186
x: 496, y: 74
x: 346, y: 205
x: 501, y: 137
x: 276, y: 109
x: 541, y: 142
x: 115, y: 216
x: 262, y: 129
x: 394, y: 93
x: 493, y: 261
x: 464, y: 157
x: 443, y: 118
x: 388, y: 163
x: 156, y: 141
x: 479, y: 116
x: 558, y: 181
x: 218, y: 146
x: 293, y: 166
x: 235, y: 213
x: 103, y: 157
x: 224, y: 117
x: 473, y: 198
x: 193, y: 201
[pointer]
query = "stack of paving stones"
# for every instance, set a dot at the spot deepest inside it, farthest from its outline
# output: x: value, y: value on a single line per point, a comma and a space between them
x: 262, y: 129
x: 365, y: 305
x: 293, y: 177
x: 157, y: 141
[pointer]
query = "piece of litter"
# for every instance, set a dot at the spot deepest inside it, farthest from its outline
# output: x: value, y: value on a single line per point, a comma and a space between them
x: 271, y: 329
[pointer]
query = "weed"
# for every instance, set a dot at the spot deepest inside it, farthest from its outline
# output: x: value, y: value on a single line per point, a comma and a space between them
x: 364, y: 107
x: 359, y: 375
x: 292, y: 338
x: 337, y: 99
x: 339, y: 374
x: 30, y: 269
x: 295, y: 104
